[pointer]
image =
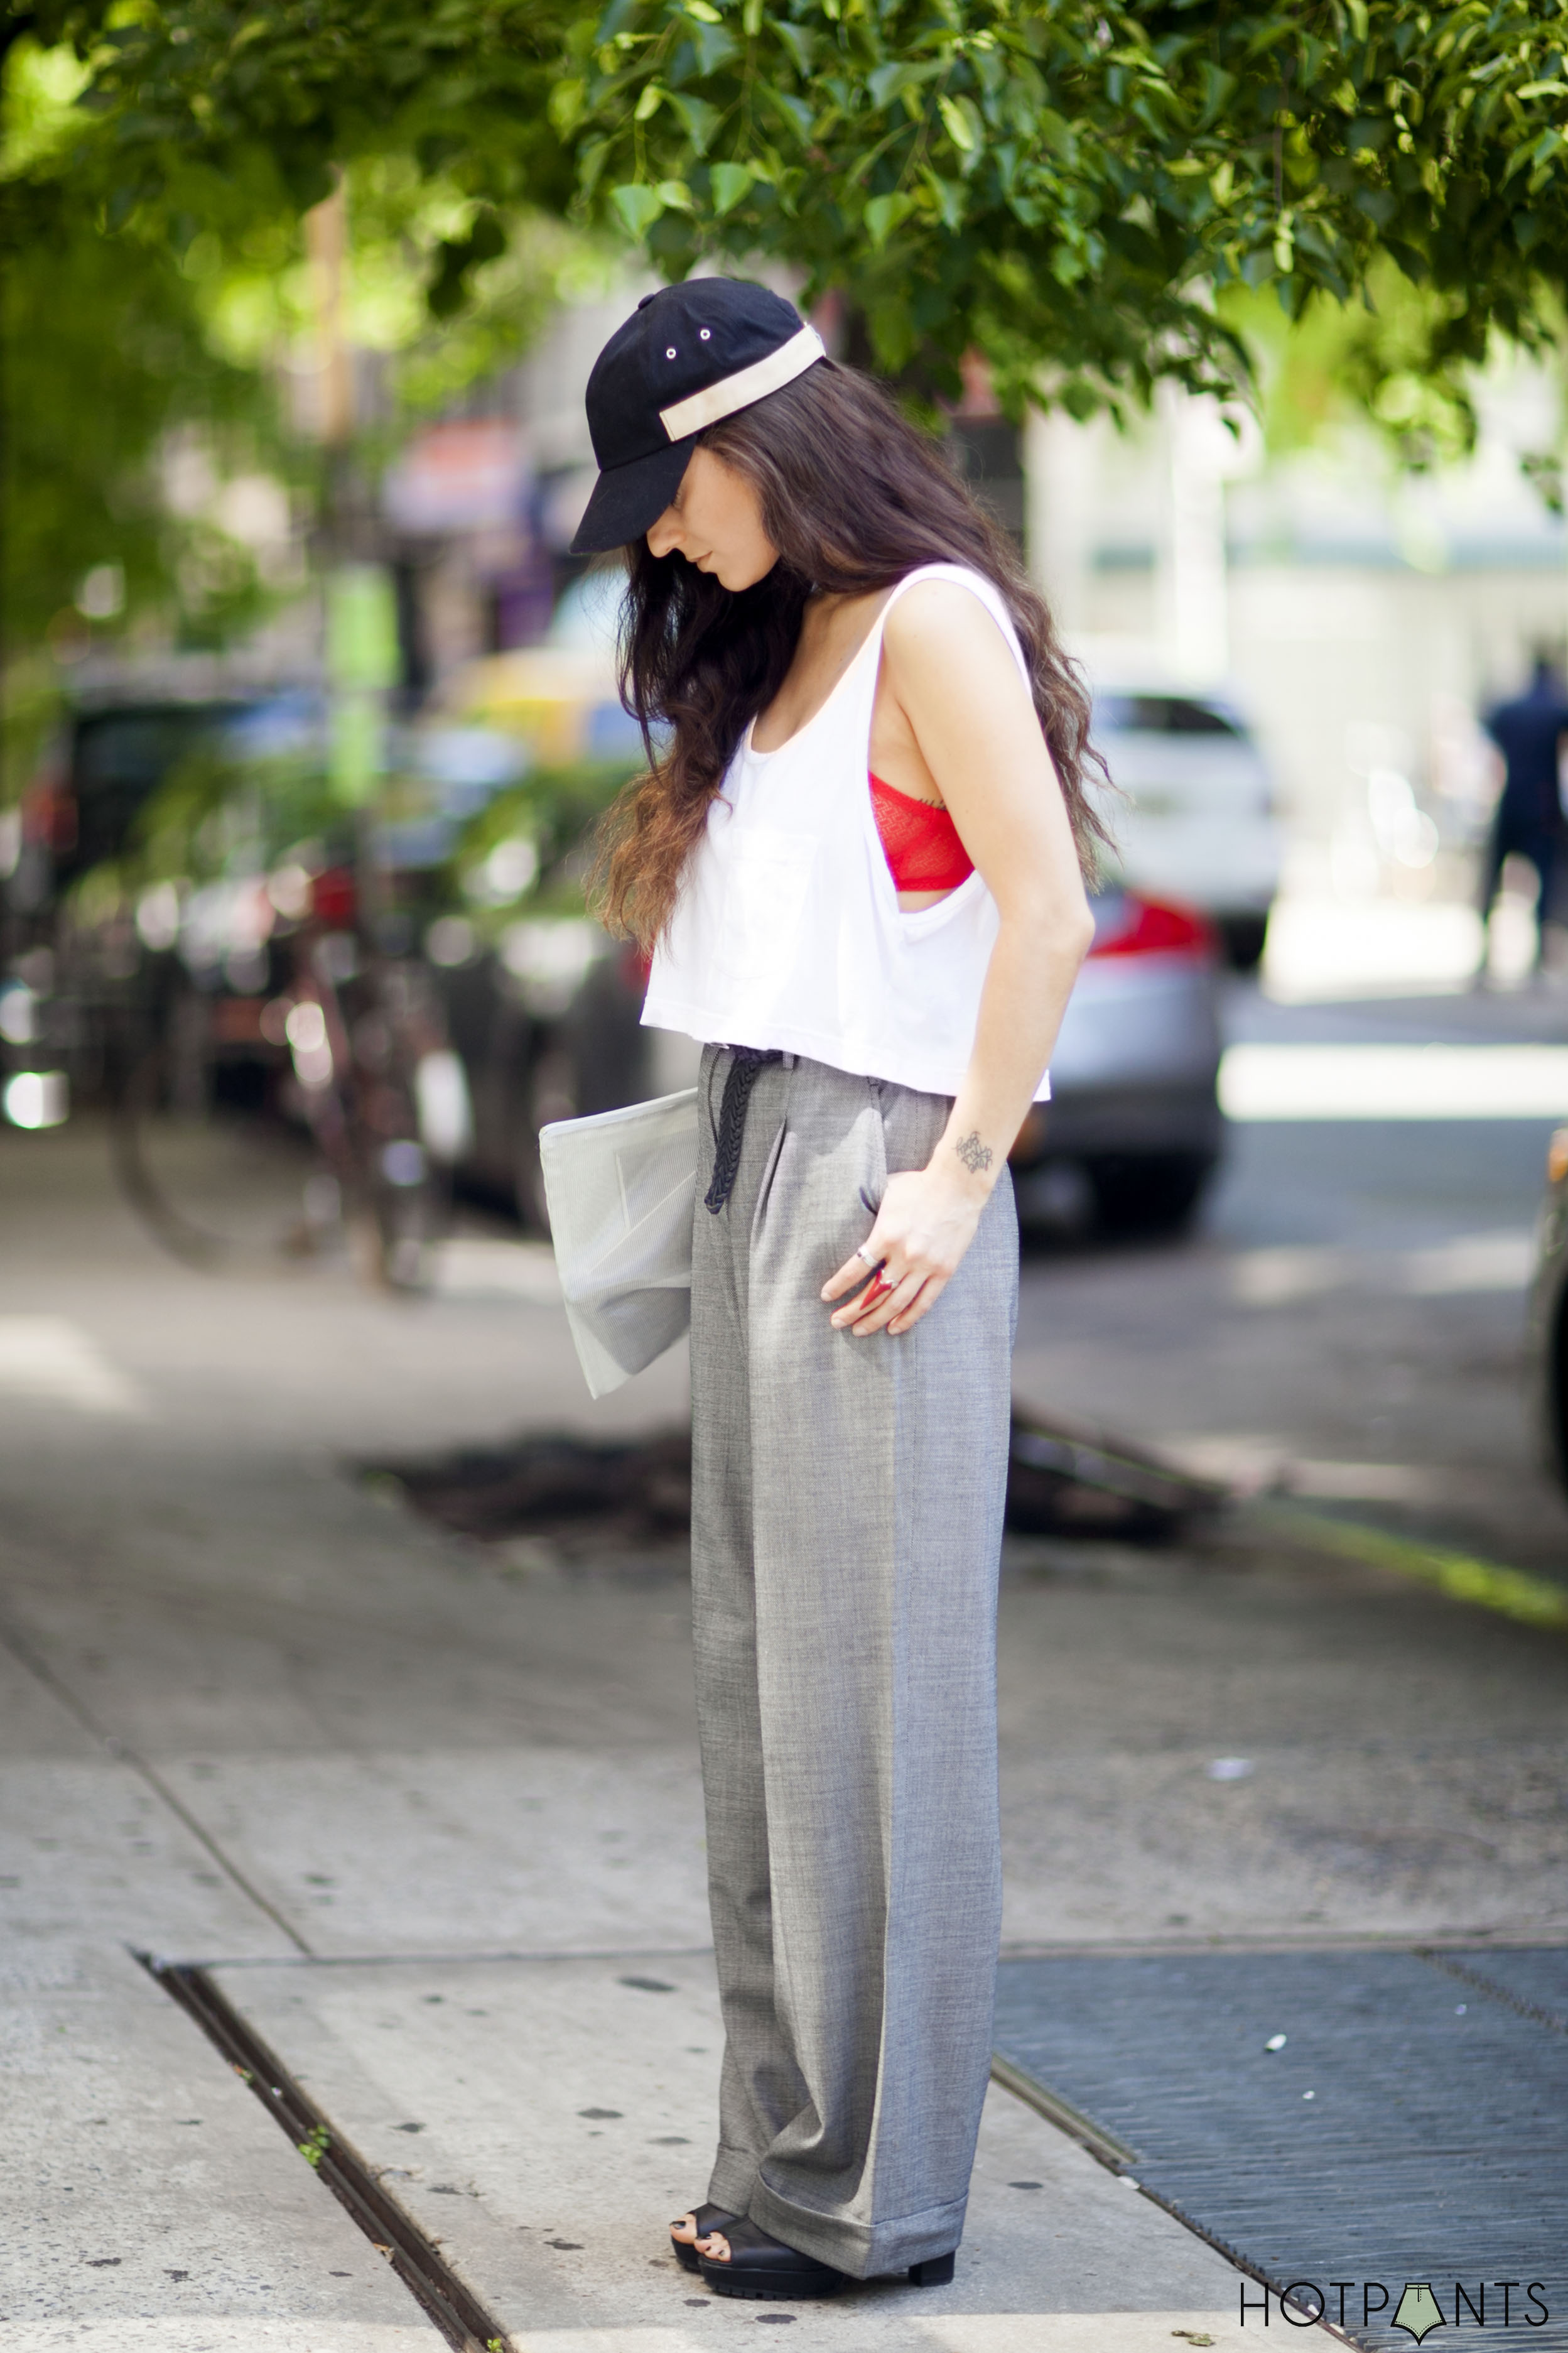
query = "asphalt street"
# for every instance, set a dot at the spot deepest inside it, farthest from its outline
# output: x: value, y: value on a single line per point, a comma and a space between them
x: 1347, y: 1322
x: 430, y: 1808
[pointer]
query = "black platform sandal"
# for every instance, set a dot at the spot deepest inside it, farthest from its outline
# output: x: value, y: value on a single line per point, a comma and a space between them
x: 708, y: 2219
x: 762, y: 2268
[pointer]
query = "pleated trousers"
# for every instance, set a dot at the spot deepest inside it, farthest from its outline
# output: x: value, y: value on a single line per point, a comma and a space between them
x: 846, y: 1522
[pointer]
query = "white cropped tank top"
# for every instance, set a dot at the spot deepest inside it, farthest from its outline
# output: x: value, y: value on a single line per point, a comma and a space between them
x: 788, y: 932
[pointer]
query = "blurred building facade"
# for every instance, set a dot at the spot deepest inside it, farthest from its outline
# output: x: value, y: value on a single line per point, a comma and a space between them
x: 1362, y: 620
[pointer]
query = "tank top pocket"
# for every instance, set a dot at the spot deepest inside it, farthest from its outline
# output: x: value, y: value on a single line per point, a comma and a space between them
x: 766, y: 892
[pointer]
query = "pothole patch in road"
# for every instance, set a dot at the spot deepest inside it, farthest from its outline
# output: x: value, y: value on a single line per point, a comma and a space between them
x: 586, y: 1501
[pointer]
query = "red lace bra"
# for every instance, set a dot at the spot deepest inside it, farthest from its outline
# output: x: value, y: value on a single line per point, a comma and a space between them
x: 921, y: 841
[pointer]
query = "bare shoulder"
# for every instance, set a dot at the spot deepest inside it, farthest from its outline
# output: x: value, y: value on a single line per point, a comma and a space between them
x: 940, y: 622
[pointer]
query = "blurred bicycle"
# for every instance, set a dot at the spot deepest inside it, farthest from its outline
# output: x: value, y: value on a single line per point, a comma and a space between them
x: 318, y: 1106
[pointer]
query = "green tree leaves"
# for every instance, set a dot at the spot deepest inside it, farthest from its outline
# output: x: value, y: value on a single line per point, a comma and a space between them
x: 107, y: 352
x: 1069, y: 184
x: 485, y: 240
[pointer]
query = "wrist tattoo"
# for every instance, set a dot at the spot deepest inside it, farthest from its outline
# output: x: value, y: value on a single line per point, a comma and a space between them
x: 976, y: 1157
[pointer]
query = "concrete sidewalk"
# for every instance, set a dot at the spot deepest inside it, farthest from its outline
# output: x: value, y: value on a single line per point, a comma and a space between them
x: 429, y: 1807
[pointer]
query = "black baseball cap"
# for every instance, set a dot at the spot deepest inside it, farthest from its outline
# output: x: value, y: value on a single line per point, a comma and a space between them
x: 687, y: 356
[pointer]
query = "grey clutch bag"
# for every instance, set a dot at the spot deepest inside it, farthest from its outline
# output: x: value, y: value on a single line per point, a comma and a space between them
x: 621, y: 1189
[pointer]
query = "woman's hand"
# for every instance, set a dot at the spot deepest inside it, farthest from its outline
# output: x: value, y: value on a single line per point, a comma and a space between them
x: 925, y: 1224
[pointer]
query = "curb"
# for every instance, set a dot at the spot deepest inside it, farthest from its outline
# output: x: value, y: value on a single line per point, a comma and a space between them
x: 1460, y: 1577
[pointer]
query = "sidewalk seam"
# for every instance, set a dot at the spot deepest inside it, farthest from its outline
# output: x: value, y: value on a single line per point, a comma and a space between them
x: 26, y: 1657
x: 446, y: 2301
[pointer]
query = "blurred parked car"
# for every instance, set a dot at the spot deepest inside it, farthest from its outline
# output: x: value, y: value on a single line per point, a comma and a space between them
x: 1200, y: 825
x: 96, y: 957
x: 115, y: 756
x: 1133, y: 1130
x: 62, y: 986
x: 546, y: 1020
x: 560, y: 699
x: 1549, y: 1313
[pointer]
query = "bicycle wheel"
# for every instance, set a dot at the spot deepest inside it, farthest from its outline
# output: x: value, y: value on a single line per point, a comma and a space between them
x: 202, y: 1149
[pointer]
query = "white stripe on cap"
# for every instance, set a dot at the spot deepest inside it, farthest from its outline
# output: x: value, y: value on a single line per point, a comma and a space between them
x: 739, y: 391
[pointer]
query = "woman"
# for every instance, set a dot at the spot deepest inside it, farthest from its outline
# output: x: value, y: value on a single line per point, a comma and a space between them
x: 857, y: 860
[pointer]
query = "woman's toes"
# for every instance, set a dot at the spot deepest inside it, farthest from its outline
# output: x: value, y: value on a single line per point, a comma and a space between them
x: 716, y: 2247
x: 684, y: 2228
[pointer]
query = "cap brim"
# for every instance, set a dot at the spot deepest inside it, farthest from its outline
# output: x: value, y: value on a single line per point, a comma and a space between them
x: 628, y: 501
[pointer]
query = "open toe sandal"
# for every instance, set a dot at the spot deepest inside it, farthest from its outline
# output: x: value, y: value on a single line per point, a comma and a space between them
x: 758, y: 2266
x: 707, y: 2219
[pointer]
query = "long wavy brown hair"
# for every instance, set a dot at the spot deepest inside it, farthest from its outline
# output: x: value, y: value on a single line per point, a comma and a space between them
x: 852, y: 496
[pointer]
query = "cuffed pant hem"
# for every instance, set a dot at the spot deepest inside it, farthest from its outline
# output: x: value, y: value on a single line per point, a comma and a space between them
x: 862, y: 2250
x: 734, y: 2181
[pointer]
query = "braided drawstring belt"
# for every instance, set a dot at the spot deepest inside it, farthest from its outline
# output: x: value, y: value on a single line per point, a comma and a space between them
x: 745, y: 1068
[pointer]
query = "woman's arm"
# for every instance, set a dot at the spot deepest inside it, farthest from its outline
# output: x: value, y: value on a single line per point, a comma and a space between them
x: 955, y: 685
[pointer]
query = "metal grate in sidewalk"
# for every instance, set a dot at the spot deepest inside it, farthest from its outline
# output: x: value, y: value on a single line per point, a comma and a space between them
x: 1411, y: 2126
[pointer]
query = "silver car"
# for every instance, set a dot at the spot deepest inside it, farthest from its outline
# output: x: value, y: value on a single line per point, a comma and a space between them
x: 1134, y: 1129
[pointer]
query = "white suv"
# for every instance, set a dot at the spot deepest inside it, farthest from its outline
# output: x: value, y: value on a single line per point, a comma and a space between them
x: 1199, y: 824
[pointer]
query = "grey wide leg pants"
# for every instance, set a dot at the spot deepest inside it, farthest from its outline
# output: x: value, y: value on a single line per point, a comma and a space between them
x: 846, y: 1522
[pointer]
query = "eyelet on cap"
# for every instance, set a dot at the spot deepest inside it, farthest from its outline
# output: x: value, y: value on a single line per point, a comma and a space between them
x: 705, y: 334
x: 670, y: 353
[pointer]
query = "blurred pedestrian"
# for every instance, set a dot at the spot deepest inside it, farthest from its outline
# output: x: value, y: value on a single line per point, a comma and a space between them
x: 1528, y: 823
x: 857, y: 858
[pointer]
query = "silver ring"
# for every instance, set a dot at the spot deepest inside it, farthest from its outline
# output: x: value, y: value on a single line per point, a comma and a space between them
x: 863, y: 1252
